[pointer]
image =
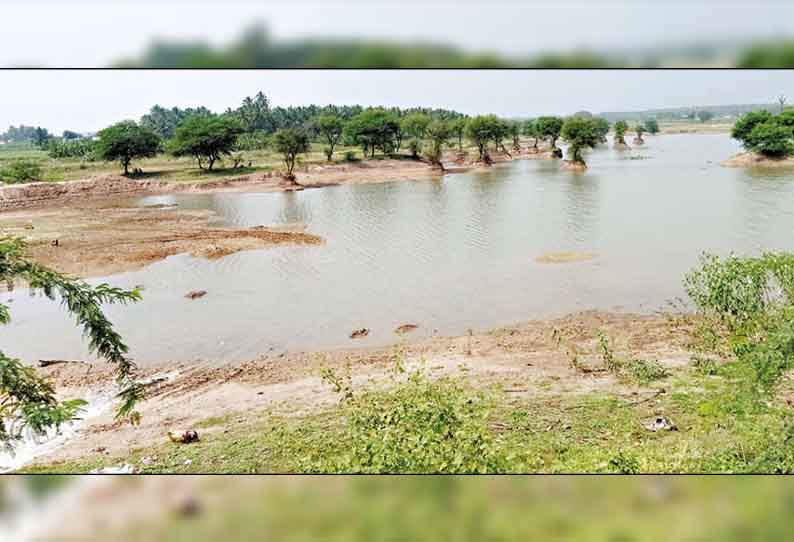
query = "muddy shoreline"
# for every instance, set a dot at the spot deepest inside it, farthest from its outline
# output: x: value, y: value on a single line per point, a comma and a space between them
x: 751, y: 159
x: 524, y: 358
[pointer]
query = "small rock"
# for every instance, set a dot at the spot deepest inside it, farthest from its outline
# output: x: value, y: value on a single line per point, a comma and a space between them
x: 405, y: 328
x: 196, y: 294
x: 183, y: 437
x: 359, y: 333
x: 660, y: 423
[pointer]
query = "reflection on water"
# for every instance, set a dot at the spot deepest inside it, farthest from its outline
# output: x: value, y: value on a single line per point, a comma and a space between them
x: 447, y: 255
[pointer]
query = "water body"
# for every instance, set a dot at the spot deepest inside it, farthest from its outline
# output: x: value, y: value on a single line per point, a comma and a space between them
x: 447, y: 255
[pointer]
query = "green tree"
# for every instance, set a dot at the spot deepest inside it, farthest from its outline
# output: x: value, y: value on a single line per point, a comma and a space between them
x: 255, y: 114
x: 415, y: 126
x: 40, y: 136
x: 704, y: 116
x: 457, y: 129
x: 771, y: 139
x: 652, y: 126
x: 514, y: 130
x: 745, y: 124
x: 482, y: 130
x: 205, y: 138
x: 27, y: 400
x: 580, y: 133
x: 163, y: 122
x: 549, y: 128
x: 291, y: 142
x: 126, y: 141
x: 620, y: 132
x: 531, y: 130
x: 374, y: 129
x: 331, y: 128
x: 639, y: 129
x: 438, y: 132
x: 602, y: 127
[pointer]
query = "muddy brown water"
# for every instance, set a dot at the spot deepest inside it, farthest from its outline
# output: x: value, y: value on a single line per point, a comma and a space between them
x: 464, y: 252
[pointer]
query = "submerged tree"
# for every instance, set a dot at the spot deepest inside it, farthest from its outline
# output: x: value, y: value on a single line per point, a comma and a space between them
x: 549, y: 128
x: 639, y: 129
x: 27, y: 400
x: 602, y: 127
x: 291, y: 142
x: 580, y: 133
x: 620, y: 133
x: 331, y: 128
x: 126, y: 141
x: 205, y: 138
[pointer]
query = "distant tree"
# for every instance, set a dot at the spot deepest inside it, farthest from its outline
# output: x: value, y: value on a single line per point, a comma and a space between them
x: 602, y: 126
x: 771, y: 139
x: 254, y: 113
x: 745, y: 124
x: 580, y: 133
x: 415, y: 126
x: 639, y: 129
x: 514, y: 130
x: 164, y: 121
x: 27, y: 400
x: 374, y: 129
x: 457, y: 129
x: 781, y: 100
x: 126, y: 141
x: 205, y: 138
x: 704, y: 116
x: 330, y: 128
x: 482, y: 130
x: 531, y: 130
x: 40, y: 136
x: 620, y: 132
x: 68, y: 134
x: 291, y: 142
x: 438, y: 133
x: 652, y: 126
x: 549, y: 128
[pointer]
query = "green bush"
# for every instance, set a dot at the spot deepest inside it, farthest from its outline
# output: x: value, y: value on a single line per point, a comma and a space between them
x: 417, y: 425
x: 20, y: 171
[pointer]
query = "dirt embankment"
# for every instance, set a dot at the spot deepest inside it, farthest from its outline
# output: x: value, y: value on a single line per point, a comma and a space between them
x: 99, y: 239
x: 751, y: 159
x: 525, y: 360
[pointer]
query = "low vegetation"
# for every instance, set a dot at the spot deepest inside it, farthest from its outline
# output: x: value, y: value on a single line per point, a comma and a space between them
x: 765, y: 133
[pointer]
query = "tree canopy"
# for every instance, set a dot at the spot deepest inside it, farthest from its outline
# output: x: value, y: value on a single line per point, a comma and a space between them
x: 290, y: 142
x: 481, y: 130
x: 28, y: 401
x: 766, y: 134
x: 205, y: 138
x: 549, y: 128
x: 374, y: 129
x: 126, y: 141
x: 331, y: 129
x: 580, y: 133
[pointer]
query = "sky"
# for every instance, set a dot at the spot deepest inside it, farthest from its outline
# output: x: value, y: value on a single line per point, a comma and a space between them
x: 91, y: 33
x: 89, y: 100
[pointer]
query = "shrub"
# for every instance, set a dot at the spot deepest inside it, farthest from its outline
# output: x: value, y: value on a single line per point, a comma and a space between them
x: 20, y: 171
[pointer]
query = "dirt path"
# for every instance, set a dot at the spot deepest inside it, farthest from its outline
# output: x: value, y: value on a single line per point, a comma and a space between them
x: 524, y: 359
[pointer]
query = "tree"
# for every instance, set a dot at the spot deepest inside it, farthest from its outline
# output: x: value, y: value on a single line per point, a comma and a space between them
x: 40, y: 136
x: 290, y: 142
x: 68, y: 134
x: 652, y: 126
x: 602, y: 127
x: 164, y: 122
x: 745, y: 124
x: 374, y: 129
x: 549, y: 128
x: 331, y: 128
x: 415, y: 125
x: 254, y: 113
x: 704, y: 116
x: 514, y: 130
x: 781, y: 100
x: 579, y: 133
x: 439, y: 133
x: 620, y: 132
x: 457, y: 128
x: 481, y: 130
x: 205, y: 138
x: 771, y: 139
x: 531, y: 130
x: 27, y: 400
x: 639, y: 129
x: 126, y: 141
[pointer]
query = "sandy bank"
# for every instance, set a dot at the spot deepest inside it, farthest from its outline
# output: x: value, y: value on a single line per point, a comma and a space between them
x: 751, y: 159
x: 99, y: 239
x: 524, y: 359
